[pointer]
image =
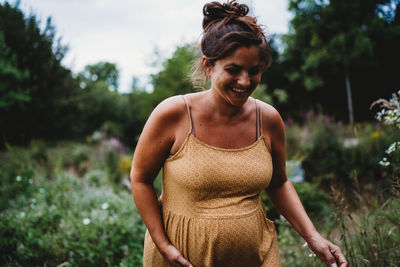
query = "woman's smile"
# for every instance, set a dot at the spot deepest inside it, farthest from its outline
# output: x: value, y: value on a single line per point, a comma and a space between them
x: 237, y: 90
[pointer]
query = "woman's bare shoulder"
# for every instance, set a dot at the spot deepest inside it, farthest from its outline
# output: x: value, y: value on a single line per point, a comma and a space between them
x: 169, y: 112
x: 270, y: 116
x: 165, y: 119
x: 171, y: 107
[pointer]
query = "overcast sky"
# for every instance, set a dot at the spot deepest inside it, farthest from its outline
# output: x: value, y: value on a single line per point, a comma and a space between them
x: 127, y: 32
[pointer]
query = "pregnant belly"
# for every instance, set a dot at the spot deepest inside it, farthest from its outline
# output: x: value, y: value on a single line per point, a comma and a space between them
x: 236, y: 241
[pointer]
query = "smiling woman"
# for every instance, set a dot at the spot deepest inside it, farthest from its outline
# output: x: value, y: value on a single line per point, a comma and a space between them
x: 219, y: 149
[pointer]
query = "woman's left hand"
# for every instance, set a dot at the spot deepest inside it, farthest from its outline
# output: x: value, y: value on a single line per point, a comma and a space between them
x: 329, y: 253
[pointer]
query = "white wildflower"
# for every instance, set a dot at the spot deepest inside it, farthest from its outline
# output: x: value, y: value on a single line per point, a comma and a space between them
x: 86, y: 221
x: 392, y: 147
x: 104, y: 206
x: 384, y: 162
x: 18, y: 178
x: 390, y: 116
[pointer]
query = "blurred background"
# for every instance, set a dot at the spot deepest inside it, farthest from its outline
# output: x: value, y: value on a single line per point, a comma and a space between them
x: 78, y: 81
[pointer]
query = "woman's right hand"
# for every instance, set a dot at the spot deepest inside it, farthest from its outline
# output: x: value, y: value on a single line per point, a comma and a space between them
x: 175, y: 257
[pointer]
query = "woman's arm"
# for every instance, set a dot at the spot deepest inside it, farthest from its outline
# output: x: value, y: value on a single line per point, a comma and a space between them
x: 284, y: 197
x: 152, y: 149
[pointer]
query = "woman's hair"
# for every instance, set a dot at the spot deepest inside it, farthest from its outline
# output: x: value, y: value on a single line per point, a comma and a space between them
x: 226, y: 27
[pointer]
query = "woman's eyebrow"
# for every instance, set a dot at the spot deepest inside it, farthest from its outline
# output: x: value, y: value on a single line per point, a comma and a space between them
x: 232, y: 65
x: 239, y: 66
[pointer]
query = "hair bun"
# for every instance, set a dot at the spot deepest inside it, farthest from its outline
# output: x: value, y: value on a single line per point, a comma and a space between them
x: 216, y: 11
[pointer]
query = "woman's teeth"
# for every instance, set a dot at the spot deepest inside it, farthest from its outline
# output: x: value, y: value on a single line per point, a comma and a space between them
x: 237, y: 90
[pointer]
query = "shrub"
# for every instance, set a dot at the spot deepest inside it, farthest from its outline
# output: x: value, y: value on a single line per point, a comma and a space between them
x: 77, y: 221
x: 333, y: 155
x: 315, y: 201
x: 293, y: 249
x: 17, y: 173
x: 322, y: 154
x: 69, y: 221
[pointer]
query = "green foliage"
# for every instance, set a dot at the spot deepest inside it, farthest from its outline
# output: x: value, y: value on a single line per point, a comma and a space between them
x: 173, y: 79
x: 39, y: 98
x: 37, y: 93
x: 368, y: 236
x: 390, y: 116
x: 102, y: 71
x: 98, y: 105
x: 315, y: 201
x: 330, y: 41
x: 293, y: 249
x: 103, y: 109
x: 273, y: 79
x: 11, y: 92
x: 375, y: 239
x: 322, y: 154
x: 332, y: 154
x: 67, y: 221
x: 79, y: 221
x: 111, y: 164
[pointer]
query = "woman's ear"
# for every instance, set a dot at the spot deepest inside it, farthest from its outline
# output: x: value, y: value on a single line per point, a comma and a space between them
x: 206, y: 65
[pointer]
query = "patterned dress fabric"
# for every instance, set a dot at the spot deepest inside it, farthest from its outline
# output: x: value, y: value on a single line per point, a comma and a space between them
x: 212, y: 209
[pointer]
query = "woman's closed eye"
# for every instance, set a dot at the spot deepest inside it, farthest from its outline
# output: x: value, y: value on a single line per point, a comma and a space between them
x: 236, y: 70
x: 233, y: 70
x: 254, y: 70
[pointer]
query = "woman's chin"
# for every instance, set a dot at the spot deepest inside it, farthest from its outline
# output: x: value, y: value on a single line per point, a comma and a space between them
x: 238, y: 98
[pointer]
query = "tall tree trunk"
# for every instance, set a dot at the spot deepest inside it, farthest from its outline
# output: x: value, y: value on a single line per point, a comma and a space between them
x: 349, y: 99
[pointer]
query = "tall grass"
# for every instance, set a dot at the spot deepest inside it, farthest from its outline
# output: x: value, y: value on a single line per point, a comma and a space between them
x: 371, y: 235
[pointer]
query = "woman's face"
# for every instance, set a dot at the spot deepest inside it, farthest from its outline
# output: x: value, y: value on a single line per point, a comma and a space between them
x: 236, y: 76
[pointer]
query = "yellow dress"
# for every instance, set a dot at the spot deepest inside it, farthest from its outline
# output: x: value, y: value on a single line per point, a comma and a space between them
x: 211, y: 206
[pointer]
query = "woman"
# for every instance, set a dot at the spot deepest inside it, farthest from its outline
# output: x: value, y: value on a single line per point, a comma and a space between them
x: 219, y: 149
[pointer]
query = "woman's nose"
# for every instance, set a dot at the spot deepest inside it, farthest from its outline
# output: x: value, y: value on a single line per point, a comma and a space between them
x: 244, y: 80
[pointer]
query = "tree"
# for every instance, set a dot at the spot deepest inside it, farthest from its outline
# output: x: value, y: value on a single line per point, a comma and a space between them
x: 333, y: 54
x: 273, y: 80
x: 99, y: 102
x: 173, y: 79
x: 40, y: 93
x: 103, y: 71
x: 11, y: 92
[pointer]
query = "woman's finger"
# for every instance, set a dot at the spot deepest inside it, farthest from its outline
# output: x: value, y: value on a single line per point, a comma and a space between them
x: 337, y: 252
x: 183, y: 262
x: 325, y: 254
x: 328, y: 258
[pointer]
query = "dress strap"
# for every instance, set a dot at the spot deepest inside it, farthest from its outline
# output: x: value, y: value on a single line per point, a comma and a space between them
x: 191, y: 129
x: 259, y: 119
